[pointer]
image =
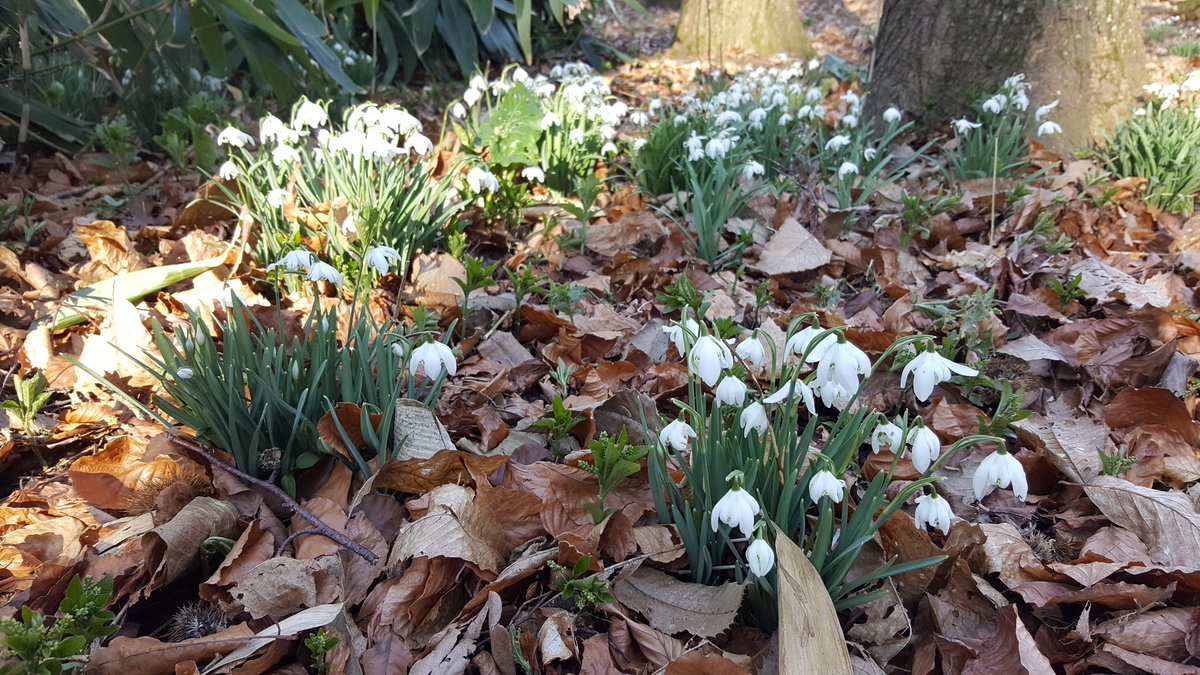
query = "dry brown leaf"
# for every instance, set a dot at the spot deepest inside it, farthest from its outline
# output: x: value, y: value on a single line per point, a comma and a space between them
x: 149, y: 656
x: 454, y: 527
x: 1166, y: 521
x: 556, y: 640
x: 1011, y: 649
x: 675, y: 606
x: 1106, y: 283
x: 699, y: 663
x: 1161, y: 633
x: 623, y: 233
x: 110, y: 250
x: 810, y: 635
x: 1071, y: 445
x: 630, y: 411
x: 280, y: 586
x: 792, y: 250
x: 418, y: 476
x: 658, y: 647
x: 174, y: 547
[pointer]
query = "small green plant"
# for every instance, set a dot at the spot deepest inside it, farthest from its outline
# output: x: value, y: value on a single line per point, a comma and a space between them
x: 995, y: 144
x: 117, y: 138
x: 762, y: 299
x: 561, y: 375
x: 476, y: 276
x: 32, y: 395
x: 558, y: 427
x: 716, y: 195
x: 828, y: 295
x: 1157, y: 31
x: 574, y: 584
x: 31, y: 647
x: 917, y: 211
x: 1009, y: 410
x: 1188, y: 49
x: 1068, y: 292
x: 1160, y: 146
x: 680, y: 295
x: 1045, y: 235
x: 319, y: 644
x: 613, y: 460
x: 216, y: 547
x: 564, y: 298
x: 1117, y: 463
x: 524, y: 282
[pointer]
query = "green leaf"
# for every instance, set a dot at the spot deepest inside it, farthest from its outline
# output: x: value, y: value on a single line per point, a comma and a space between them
x: 524, y: 32
x: 484, y: 12
x: 259, y: 20
x: 311, y: 32
x: 454, y: 24
x: 511, y: 132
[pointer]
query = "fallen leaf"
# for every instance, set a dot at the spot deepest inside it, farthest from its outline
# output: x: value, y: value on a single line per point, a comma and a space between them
x: 172, y: 549
x: 675, y: 606
x: 792, y: 250
x: 810, y: 635
x: 1166, y: 521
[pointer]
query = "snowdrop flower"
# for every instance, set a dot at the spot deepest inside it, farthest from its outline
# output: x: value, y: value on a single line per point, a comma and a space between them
x: 736, y: 508
x: 234, y: 138
x: 751, y: 170
x: 533, y: 174
x: 888, y: 434
x: 852, y: 99
x: 708, y: 357
x: 381, y: 258
x: 751, y: 351
x: 813, y: 95
x: 695, y: 147
x: 228, y: 171
x: 842, y: 362
x: 471, y: 97
x: 995, y: 104
x: 609, y: 148
x: 1049, y: 128
x: 825, y: 484
x: 477, y: 82
x: 753, y: 418
x: 803, y: 341
x: 760, y: 557
x: 926, y: 447
x: 309, y: 115
x: 285, y: 154
x: 999, y: 470
x: 293, y: 261
x: 676, y: 435
x: 797, y: 390
x: 891, y: 115
x: 550, y: 120
x: 419, y: 143
x: 458, y: 110
x: 930, y: 369
x: 682, y: 334
x: 731, y: 391
x: 717, y: 148
x: 832, y: 394
x: 1020, y: 100
x: 639, y: 118
x: 184, y: 374
x: 322, y: 271
x: 847, y: 168
x: 480, y: 179
x: 349, y: 225
x: 277, y: 197
x: 837, y: 142
x: 434, y: 358
x: 1042, y: 111
x: 575, y: 136
x: 520, y: 76
x: 728, y: 117
x: 933, y: 511
x: 964, y: 126
x: 869, y: 154
x: 271, y: 128
x: 757, y: 116
x: 849, y: 120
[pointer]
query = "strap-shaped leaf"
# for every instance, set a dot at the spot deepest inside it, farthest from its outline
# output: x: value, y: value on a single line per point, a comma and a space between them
x: 524, y: 31
x: 311, y: 32
x: 454, y: 24
x: 259, y: 20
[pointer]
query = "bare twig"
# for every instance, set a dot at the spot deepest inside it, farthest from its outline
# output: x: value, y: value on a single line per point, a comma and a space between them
x: 319, y: 526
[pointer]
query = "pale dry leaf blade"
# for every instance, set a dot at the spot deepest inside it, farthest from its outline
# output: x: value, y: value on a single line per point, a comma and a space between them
x: 810, y: 635
x: 1166, y: 521
x: 675, y: 606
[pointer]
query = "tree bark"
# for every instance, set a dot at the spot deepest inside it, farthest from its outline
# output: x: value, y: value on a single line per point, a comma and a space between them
x: 931, y: 56
x: 707, y: 28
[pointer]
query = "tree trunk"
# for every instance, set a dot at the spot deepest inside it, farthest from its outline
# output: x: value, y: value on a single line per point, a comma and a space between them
x: 932, y: 55
x: 707, y: 28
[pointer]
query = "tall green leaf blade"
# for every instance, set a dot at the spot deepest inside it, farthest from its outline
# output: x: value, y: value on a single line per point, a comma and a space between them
x: 484, y: 12
x: 454, y: 24
x: 310, y: 31
x: 524, y: 30
x: 259, y: 20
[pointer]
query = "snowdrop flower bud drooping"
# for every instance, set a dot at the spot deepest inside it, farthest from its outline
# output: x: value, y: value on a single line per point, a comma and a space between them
x: 842, y: 362
x: 676, y: 435
x: 999, y: 470
x: 533, y: 174
x: 930, y: 369
x: 709, y: 356
x: 228, y: 171
x: 760, y: 557
x: 381, y: 258
x: 736, y: 509
x: 434, y: 358
x: 933, y: 511
x: 825, y: 484
x: 294, y: 261
x: 731, y: 391
x: 682, y: 334
x: 184, y: 374
x: 926, y: 447
x: 891, y: 115
x: 888, y: 434
x: 322, y: 271
x: 1045, y: 110
x: 753, y: 418
x: 797, y: 390
x: 751, y: 351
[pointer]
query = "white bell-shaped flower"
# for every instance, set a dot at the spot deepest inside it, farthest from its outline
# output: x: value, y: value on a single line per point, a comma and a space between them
x: 736, y: 509
x: 294, y: 261
x: 708, y: 357
x: 753, y: 418
x: 1000, y: 470
x: 434, y: 358
x: 322, y: 271
x: 928, y: 369
x: 682, y: 334
x: 803, y: 340
x: 843, y: 363
x: 798, y: 391
x: 751, y: 351
x: 676, y: 435
x: 760, y: 557
x: 888, y: 434
x: 381, y: 258
x: 933, y: 511
x: 926, y: 447
x: 825, y: 484
x: 731, y: 391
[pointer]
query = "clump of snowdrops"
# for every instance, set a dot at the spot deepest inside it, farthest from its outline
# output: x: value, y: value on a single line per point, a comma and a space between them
x: 994, y: 140
x: 369, y: 182
x: 550, y: 130
x: 767, y: 442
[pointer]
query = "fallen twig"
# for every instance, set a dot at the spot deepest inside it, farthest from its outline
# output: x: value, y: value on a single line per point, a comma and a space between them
x: 319, y: 526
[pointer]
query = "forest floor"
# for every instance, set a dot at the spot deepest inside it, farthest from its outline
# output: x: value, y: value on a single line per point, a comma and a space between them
x: 1093, y: 573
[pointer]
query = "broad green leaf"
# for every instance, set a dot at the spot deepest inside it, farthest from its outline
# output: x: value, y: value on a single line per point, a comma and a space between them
x: 454, y: 23
x: 524, y: 18
x: 258, y: 19
x: 311, y: 33
x: 511, y: 132
x: 484, y: 12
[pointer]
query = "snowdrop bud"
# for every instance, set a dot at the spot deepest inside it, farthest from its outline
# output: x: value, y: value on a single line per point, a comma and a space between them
x: 471, y: 97
x: 381, y: 258
x: 751, y: 351
x: 434, y: 358
x: 1049, y: 128
x: 760, y: 558
x: 736, y: 508
x: 731, y: 391
x: 869, y: 154
x: 228, y: 171
x: 847, y: 169
x: 887, y: 434
x: 349, y: 225
x: 825, y: 484
x: 891, y: 115
x: 933, y: 511
x: 964, y: 126
x: 321, y: 271
x: 609, y: 148
x: 458, y: 110
x: 676, y: 435
x: 753, y: 418
x: 999, y: 470
x: 184, y: 374
x: 708, y: 357
x: 930, y: 369
x: 926, y: 447
x: 1045, y: 110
